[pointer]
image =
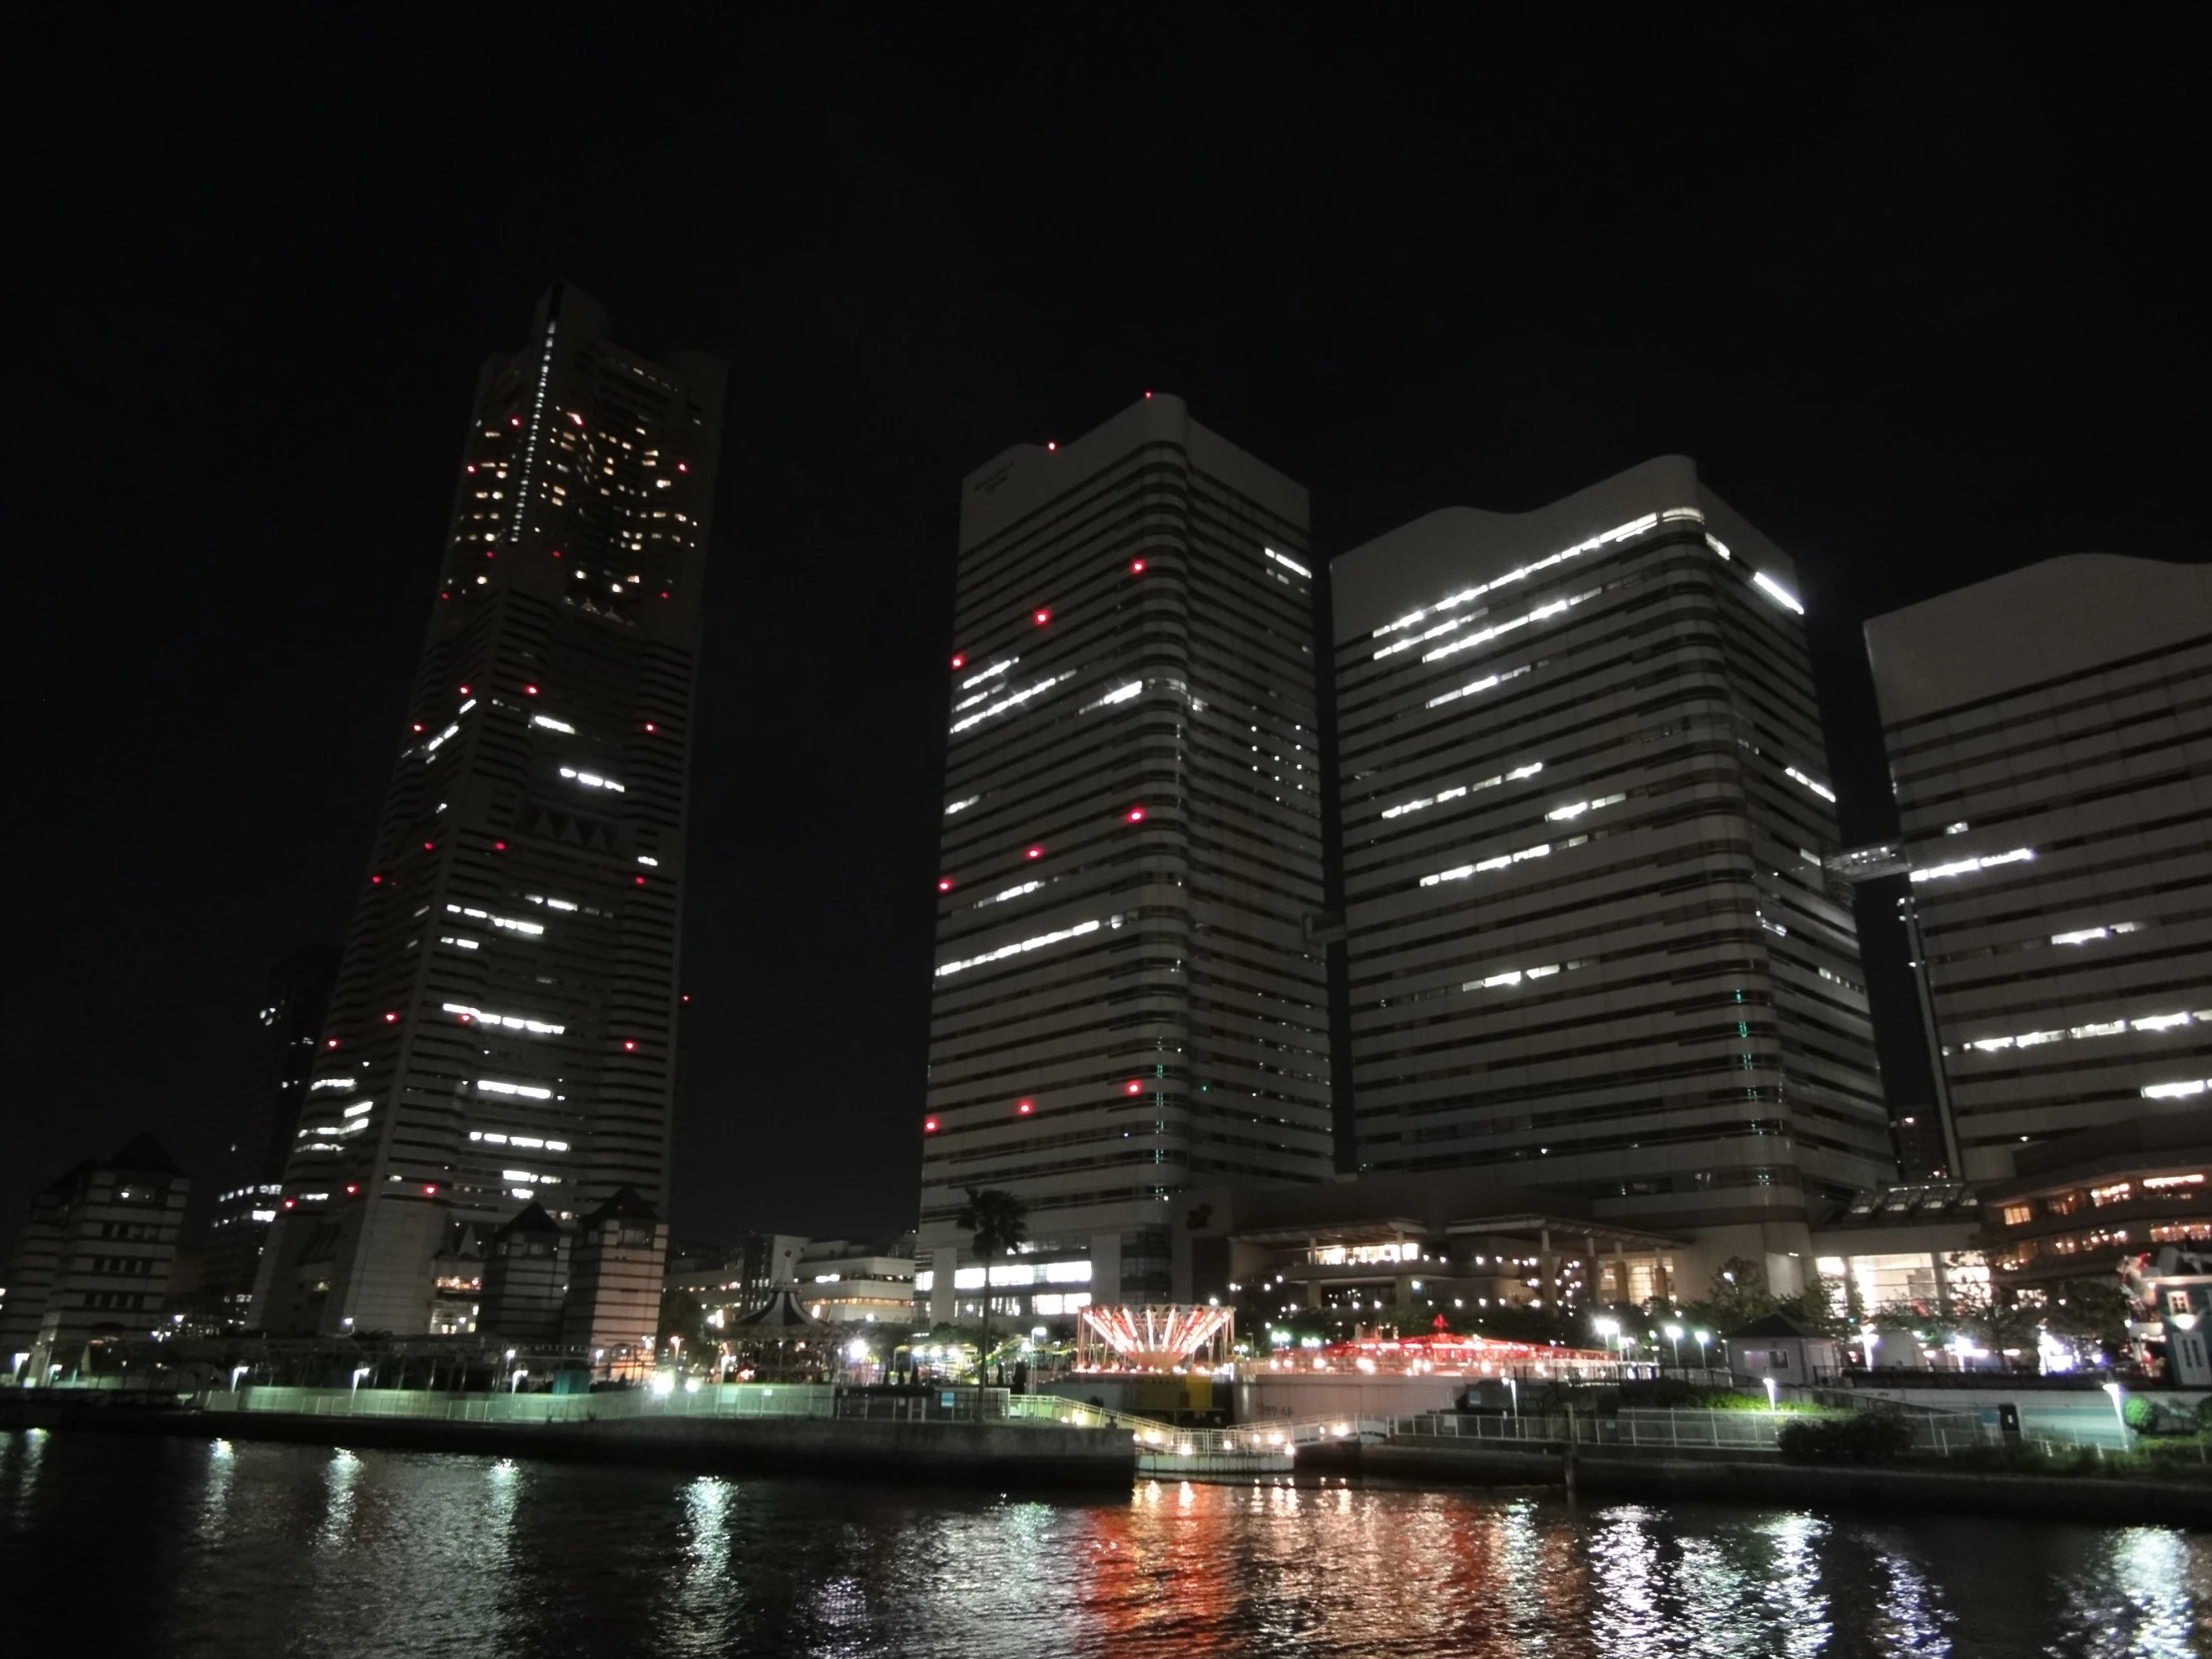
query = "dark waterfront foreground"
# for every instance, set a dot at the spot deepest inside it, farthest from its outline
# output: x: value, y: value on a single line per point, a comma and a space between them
x: 171, y: 1545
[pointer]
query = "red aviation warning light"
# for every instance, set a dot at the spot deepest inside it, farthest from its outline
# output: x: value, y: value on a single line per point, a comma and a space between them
x: 1133, y: 1086
x: 1034, y: 853
x: 1022, y: 1108
x: 529, y: 691
x: 1135, y: 815
x: 960, y: 661
x: 1041, y: 616
x: 944, y: 884
x: 629, y: 1047
x: 1135, y: 567
x: 928, y: 1126
x: 390, y: 1017
x: 429, y: 1189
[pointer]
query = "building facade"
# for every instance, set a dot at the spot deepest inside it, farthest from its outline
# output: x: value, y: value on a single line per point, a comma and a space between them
x: 1592, y: 941
x: 93, y: 1262
x: 1125, y: 999
x: 2050, y: 747
x: 503, y: 1027
x: 270, y: 1090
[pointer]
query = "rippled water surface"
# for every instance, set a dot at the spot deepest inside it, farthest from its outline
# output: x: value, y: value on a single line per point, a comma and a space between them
x: 185, y: 1546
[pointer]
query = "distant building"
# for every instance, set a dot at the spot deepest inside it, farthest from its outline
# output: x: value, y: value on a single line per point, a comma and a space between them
x: 526, y: 1280
x: 1124, y: 1000
x: 93, y: 1262
x: 2050, y: 747
x: 1594, y: 945
x: 613, y: 1306
x: 855, y: 1282
x: 2087, y: 1204
x: 1450, y: 1241
x: 503, y: 1029
x: 265, y: 1097
x: 1907, y: 1244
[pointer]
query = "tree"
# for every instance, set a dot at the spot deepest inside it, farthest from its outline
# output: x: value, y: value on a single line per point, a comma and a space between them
x: 681, y: 1315
x: 2093, y: 1308
x: 1000, y: 1222
x: 1736, y: 1295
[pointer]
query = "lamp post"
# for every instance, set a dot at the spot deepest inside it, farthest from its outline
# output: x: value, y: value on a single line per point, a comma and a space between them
x: 1774, y: 1395
x: 237, y: 1372
x: 2119, y: 1410
x: 1674, y: 1336
x: 354, y: 1392
x: 1703, y: 1363
x: 514, y: 1382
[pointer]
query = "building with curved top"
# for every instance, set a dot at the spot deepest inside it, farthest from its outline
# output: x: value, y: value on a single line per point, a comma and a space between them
x: 1124, y: 998
x: 1593, y: 942
x: 2050, y: 747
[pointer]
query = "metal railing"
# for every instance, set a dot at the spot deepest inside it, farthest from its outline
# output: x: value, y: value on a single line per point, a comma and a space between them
x: 693, y: 1400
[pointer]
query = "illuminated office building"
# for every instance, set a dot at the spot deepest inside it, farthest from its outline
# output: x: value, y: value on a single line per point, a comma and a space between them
x: 1592, y: 941
x: 1125, y: 998
x: 2050, y: 745
x: 503, y: 1027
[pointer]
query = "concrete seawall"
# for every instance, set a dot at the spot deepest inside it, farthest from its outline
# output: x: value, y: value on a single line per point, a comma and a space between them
x: 1005, y: 1455
x: 1720, y: 1479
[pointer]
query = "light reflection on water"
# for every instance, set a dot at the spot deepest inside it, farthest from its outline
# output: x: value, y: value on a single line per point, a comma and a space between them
x: 256, y: 1548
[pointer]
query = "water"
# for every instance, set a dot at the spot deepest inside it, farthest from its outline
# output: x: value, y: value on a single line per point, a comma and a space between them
x: 154, y: 1547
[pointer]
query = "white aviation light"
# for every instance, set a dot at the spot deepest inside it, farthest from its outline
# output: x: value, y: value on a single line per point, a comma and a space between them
x: 2096, y: 1028
x: 1777, y: 592
x: 491, y: 1138
x: 1482, y: 685
x: 1621, y: 532
x: 1462, y: 871
x: 1012, y: 700
x: 2086, y: 935
x: 593, y: 780
x: 528, y: 1091
x: 552, y: 725
x: 511, y: 1022
x: 1820, y: 790
x: 1540, y: 613
x: 1291, y: 565
x: 1967, y: 866
x: 1035, y: 942
x: 1120, y: 694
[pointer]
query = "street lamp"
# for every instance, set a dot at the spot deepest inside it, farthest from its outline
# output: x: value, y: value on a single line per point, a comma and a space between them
x: 237, y: 1372
x: 514, y: 1382
x: 354, y: 1392
x: 1674, y: 1336
x: 2119, y: 1409
x: 1703, y: 1336
x: 1774, y: 1393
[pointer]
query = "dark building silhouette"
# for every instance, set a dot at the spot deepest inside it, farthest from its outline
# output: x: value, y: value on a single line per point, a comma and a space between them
x: 613, y: 1307
x: 503, y: 1026
x: 92, y: 1260
x: 526, y: 1279
x: 265, y: 1096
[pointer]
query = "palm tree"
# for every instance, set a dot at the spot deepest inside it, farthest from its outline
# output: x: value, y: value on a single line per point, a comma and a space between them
x: 1000, y: 1222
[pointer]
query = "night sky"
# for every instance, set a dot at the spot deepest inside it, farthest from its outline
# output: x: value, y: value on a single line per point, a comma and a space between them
x: 1922, y: 300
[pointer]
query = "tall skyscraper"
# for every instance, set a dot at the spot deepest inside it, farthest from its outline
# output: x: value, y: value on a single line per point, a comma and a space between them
x: 266, y: 1094
x: 504, y: 1022
x: 1125, y: 998
x: 1592, y: 942
x: 2051, y: 746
